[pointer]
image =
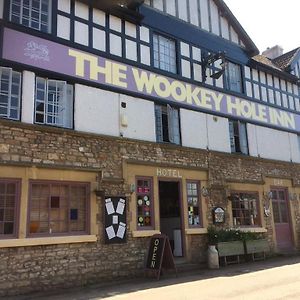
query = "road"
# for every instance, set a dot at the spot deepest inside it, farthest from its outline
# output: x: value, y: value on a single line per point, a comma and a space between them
x: 271, y: 279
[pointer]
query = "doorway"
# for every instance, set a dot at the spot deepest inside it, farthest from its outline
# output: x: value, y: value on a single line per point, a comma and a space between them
x: 170, y: 214
x: 282, y: 220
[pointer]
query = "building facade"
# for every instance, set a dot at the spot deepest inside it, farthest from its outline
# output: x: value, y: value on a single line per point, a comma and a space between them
x: 124, y: 120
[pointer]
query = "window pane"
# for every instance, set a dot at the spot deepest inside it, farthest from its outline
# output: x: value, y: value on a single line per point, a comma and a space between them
x: 58, y: 208
x: 31, y: 13
x: 194, y: 218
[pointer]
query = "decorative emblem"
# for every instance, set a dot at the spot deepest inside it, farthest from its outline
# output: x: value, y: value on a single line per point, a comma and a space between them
x: 36, y: 51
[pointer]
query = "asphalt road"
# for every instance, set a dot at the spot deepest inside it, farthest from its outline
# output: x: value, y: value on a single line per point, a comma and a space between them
x: 272, y: 279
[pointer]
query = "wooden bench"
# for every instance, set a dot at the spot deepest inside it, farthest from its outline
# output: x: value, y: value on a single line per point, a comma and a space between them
x: 255, y: 247
x: 233, y: 249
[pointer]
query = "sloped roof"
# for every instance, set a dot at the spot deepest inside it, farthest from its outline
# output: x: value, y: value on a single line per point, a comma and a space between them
x: 284, y: 61
x: 266, y: 61
x: 226, y: 12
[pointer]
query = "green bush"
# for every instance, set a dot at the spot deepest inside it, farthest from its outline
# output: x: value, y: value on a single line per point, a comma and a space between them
x: 230, y: 234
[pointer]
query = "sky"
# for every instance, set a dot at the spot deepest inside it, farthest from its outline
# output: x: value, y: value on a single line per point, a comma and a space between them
x: 269, y: 22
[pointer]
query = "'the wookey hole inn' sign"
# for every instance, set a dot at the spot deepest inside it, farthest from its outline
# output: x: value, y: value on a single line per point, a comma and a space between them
x: 37, y: 52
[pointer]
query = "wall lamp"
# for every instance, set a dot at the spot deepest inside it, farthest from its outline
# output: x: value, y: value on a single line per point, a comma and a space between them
x: 209, y: 60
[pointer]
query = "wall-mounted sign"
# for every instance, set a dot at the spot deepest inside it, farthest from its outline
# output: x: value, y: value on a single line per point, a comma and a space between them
x: 168, y: 173
x: 33, y: 51
x: 115, y: 220
x: 218, y: 215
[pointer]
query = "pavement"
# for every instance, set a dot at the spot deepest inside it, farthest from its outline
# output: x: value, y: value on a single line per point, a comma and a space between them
x: 274, y: 278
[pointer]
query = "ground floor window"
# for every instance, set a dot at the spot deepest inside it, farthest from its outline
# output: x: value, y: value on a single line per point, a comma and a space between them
x: 58, y: 208
x: 9, y: 199
x: 144, y: 198
x: 245, y: 209
x: 194, y: 212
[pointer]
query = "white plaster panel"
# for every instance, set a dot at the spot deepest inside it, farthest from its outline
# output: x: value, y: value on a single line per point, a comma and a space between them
x: 276, y: 82
x: 81, y: 10
x: 224, y: 28
x: 196, y: 53
x: 63, y: 27
x: 193, y: 129
x: 254, y: 74
x: 289, y: 87
x: 197, y: 72
x: 185, y: 49
x: 218, y: 134
x: 144, y: 34
x: 171, y: 7
x: 115, y: 43
x: 234, y: 36
x: 194, y: 12
x: 99, y: 41
x: 130, y: 29
x: 247, y: 72
x: 186, y: 68
x: 262, y: 76
x: 131, y: 50
x: 264, y: 96
x: 145, y: 55
x: 28, y: 92
x: 204, y: 14
x: 115, y: 23
x: 278, y: 97
x: 271, y: 96
x: 63, y: 5
x: 98, y: 17
x: 295, y: 151
x: 140, y: 117
x: 219, y: 82
x: 81, y: 33
x: 256, y: 91
x: 182, y: 10
x: 248, y: 89
x: 252, y: 140
x: 96, y: 110
x: 269, y: 80
x: 273, y: 144
x: 214, y: 13
x: 158, y: 4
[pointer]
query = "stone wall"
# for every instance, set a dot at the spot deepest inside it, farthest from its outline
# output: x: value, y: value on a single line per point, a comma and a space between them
x: 24, y: 269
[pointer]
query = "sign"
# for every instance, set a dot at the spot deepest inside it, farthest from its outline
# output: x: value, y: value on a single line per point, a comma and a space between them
x: 160, y: 255
x: 168, y: 173
x: 37, y: 52
x: 115, y: 220
x: 218, y: 215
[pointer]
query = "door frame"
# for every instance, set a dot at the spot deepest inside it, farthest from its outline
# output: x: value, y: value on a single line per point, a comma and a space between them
x: 182, y: 227
x: 289, y: 215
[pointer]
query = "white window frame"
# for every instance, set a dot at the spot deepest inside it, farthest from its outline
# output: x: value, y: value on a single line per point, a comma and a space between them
x: 233, y: 77
x: 14, y: 78
x: 241, y: 136
x: 164, y: 53
x: 173, y: 124
x: 53, y: 103
x: 20, y: 17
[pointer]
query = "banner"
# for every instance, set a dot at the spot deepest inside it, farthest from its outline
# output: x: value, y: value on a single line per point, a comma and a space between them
x: 33, y: 51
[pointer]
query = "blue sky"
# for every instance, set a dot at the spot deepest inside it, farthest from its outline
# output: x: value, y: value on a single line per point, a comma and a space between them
x: 269, y: 22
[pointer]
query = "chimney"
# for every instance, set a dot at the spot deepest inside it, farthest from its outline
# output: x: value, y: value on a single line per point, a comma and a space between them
x: 273, y: 52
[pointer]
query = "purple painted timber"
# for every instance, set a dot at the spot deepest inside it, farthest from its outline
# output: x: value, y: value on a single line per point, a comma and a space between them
x: 37, y: 52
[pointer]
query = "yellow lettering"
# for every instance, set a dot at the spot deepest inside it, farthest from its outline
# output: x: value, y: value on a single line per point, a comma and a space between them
x: 262, y: 114
x: 175, y: 86
x: 217, y: 100
x: 106, y: 71
x: 192, y: 96
x: 164, y: 91
x: 205, y: 99
x: 143, y: 82
x: 246, y: 109
x: 118, y: 75
x: 233, y: 106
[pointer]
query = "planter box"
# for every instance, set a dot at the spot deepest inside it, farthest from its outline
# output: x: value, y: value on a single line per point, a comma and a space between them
x: 233, y: 249
x: 254, y: 247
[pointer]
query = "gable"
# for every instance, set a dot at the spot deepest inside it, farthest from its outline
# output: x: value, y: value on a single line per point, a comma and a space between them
x: 213, y: 16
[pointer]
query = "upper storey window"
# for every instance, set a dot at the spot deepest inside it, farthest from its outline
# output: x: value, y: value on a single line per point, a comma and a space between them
x: 164, y: 53
x: 10, y: 91
x: 233, y: 77
x: 31, y: 13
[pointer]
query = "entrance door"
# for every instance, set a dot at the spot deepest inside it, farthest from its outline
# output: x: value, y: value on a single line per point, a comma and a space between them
x: 282, y: 219
x: 170, y: 214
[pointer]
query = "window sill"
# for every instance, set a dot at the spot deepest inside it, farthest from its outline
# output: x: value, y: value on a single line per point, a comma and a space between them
x: 252, y: 229
x: 47, y: 241
x: 144, y: 233
x: 196, y: 231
